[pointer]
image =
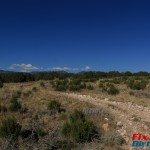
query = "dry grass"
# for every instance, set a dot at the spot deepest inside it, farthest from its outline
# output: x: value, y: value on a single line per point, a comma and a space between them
x: 38, y: 115
x: 36, y: 101
x: 141, y: 97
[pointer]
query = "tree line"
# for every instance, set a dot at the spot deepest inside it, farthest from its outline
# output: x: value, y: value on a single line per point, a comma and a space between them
x: 7, y: 77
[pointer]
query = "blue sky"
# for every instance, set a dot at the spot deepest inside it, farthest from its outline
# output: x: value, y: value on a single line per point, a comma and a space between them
x: 80, y: 34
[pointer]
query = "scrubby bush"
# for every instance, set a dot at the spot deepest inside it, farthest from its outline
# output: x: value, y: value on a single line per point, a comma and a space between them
x: 110, y: 89
x: 10, y: 128
x: 76, y: 85
x: 116, y: 80
x: 25, y: 133
x: 29, y: 134
x: 1, y: 84
x: 74, y: 88
x: 60, y: 85
x: 90, y: 87
x: 79, y: 129
x: 136, y: 84
x: 72, y: 85
x: 15, y: 105
x: 54, y: 106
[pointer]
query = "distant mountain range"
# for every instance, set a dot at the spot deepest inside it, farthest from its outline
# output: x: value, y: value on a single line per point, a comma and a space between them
x: 5, y: 71
x: 2, y: 71
x: 33, y: 72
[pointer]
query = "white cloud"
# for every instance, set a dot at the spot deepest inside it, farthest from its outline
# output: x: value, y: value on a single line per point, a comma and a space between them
x: 29, y: 68
x: 60, y: 68
x: 87, y: 68
x: 23, y: 67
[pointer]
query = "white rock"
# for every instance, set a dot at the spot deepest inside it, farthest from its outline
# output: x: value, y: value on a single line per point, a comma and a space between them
x: 106, y: 99
x: 119, y: 124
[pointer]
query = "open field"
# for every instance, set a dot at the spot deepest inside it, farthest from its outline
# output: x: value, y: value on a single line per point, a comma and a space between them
x: 115, y: 116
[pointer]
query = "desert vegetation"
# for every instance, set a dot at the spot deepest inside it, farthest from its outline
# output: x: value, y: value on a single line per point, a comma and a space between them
x: 137, y: 84
x: 8, y: 77
x: 79, y: 128
x: 60, y: 110
x: 109, y: 88
x: 10, y: 129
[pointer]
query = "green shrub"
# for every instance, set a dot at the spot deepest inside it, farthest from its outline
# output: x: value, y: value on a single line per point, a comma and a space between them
x: 74, y: 88
x: 76, y: 85
x: 1, y: 84
x: 29, y: 134
x: 136, y: 84
x: 79, y: 129
x: 110, y: 89
x: 25, y: 133
x: 116, y: 80
x: 90, y: 87
x: 63, y: 85
x: 9, y: 128
x: 60, y: 85
x: 15, y: 105
x: 54, y: 106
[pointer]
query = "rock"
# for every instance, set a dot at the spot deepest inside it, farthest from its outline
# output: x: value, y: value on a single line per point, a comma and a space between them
x: 119, y: 124
x: 106, y: 119
x: 106, y: 99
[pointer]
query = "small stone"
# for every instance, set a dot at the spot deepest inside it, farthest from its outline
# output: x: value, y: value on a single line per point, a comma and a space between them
x: 106, y: 99
x: 119, y: 124
x: 106, y: 119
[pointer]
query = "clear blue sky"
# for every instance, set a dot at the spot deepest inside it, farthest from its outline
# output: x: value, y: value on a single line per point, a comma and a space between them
x: 101, y: 34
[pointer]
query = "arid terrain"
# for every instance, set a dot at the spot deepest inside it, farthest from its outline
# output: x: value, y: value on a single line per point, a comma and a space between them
x: 115, y: 116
